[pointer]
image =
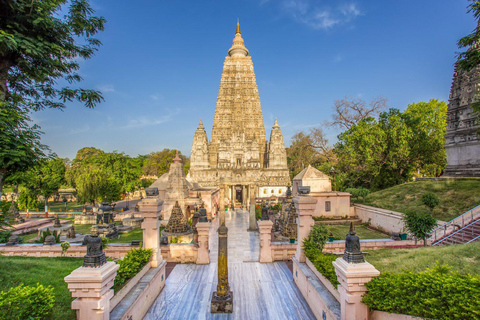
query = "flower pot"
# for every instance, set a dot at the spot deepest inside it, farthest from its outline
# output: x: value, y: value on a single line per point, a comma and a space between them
x: 292, y: 240
x: 403, y: 236
x: 330, y: 239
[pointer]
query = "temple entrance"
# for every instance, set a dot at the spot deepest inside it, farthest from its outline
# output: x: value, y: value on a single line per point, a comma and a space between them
x: 238, y: 194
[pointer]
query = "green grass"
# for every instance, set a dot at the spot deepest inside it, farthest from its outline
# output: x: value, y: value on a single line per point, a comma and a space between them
x: 135, y: 234
x: 60, y: 206
x: 464, y: 258
x: 456, y: 196
x: 340, y: 231
x: 46, y: 271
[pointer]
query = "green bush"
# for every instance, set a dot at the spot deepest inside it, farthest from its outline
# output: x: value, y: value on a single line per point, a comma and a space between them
x: 318, y: 236
x: 4, y: 235
x: 419, y: 224
x: 25, y: 302
x: 131, y: 264
x: 430, y: 200
x: 321, y: 261
x: 49, y: 233
x: 436, y: 293
x: 358, y: 192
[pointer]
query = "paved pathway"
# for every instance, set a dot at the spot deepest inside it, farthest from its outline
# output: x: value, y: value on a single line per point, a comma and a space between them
x: 260, y: 290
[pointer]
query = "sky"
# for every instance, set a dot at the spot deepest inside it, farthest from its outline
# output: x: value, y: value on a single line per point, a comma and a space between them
x: 160, y: 65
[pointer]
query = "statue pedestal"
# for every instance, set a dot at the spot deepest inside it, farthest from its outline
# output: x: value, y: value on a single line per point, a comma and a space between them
x: 91, y: 287
x: 222, y: 304
x: 265, y: 227
x: 203, y: 229
x: 352, y: 278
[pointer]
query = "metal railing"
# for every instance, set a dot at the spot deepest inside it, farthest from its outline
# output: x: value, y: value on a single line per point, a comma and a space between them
x: 474, y: 239
x: 455, y: 224
x: 461, y: 231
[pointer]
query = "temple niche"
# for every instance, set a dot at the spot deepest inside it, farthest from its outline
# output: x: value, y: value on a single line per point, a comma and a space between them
x: 461, y: 140
x: 238, y: 158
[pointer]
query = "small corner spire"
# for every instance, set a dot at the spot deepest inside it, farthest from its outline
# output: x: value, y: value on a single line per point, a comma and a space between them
x: 238, y: 27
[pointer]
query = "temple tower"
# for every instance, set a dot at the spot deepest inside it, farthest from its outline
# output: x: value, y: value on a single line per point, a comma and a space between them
x: 238, y: 158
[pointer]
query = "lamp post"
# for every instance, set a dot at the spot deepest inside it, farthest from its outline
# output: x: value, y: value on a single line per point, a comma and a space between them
x: 333, y: 172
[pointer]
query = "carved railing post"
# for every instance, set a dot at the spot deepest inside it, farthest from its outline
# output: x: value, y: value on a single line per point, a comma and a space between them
x: 305, y: 206
x: 150, y: 209
x: 265, y: 227
x: 203, y: 229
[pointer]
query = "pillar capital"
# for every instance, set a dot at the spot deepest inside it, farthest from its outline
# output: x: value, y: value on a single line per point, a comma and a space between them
x: 305, y: 205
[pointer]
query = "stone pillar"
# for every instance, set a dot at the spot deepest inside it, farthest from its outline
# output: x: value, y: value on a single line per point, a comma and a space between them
x: 352, y: 278
x: 305, y: 206
x: 92, y: 289
x: 222, y: 299
x: 222, y: 198
x: 265, y: 227
x: 150, y: 209
x: 203, y: 229
x: 252, y: 218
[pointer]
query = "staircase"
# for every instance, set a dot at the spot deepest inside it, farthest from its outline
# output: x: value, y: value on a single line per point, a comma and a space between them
x: 467, y: 234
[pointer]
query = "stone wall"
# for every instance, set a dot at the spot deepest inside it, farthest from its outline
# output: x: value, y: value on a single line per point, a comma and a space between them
x: 339, y: 204
x: 283, y: 251
x: 338, y: 246
x: 385, y: 220
x: 180, y: 253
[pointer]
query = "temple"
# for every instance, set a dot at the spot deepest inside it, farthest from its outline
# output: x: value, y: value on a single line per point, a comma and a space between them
x: 239, y: 159
x: 461, y: 140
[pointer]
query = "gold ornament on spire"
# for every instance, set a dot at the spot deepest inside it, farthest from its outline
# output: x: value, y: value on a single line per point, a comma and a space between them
x: 238, y: 28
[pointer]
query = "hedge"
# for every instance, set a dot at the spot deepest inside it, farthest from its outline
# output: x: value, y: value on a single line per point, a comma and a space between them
x: 131, y: 264
x: 436, y: 293
x: 26, y: 302
x: 321, y: 261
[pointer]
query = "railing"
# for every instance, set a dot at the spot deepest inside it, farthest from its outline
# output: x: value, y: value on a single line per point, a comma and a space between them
x: 461, y: 230
x: 455, y: 224
x: 474, y: 239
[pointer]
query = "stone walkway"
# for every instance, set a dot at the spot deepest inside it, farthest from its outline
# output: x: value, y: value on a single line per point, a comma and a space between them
x: 260, y: 290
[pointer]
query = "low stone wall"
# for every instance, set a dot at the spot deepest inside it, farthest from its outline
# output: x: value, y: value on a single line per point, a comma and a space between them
x: 328, y: 285
x: 75, y: 250
x: 322, y: 303
x: 338, y: 246
x: 386, y: 220
x: 380, y: 315
x: 283, y: 251
x: 180, y: 253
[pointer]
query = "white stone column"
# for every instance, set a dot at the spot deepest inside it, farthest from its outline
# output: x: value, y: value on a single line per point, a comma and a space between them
x: 203, y: 256
x: 92, y: 289
x: 265, y: 227
x: 305, y: 206
x: 252, y: 218
x: 352, y: 278
x: 150, y: 210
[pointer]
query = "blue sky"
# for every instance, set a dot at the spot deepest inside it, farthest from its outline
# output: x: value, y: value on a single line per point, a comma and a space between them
x: 160, y: 65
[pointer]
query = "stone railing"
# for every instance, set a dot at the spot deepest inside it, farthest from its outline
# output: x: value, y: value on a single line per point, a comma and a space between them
x: 283, y: 251
x: 115, y: 251
x: 455, y: 224
x: 338, y: 246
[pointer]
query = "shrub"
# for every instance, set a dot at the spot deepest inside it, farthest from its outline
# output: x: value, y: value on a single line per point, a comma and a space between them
x: 26, y: 302
x: 105, y: 243
x: 4, y: 236
x: 321, y: 261
x: 131, y: 264
x: 65, y: 246
x: 48, y: 233
x: 436, y: 293
x: 358, y: 192
x: 419, y: 224
x: 430, y: 200
x: 318, y: 236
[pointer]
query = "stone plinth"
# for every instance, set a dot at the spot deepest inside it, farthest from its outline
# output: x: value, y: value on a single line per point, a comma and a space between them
x: 265, y: 240
x: 203, y: 229
x: 305, y: 206
x: 92, y: 288
x: 252, y: 218
x: 150, y: 209
x: 133, y: 222
x: 352, y: 278
x: 85, y: 219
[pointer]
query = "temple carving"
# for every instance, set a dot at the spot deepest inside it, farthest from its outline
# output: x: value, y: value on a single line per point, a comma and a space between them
x: 238, y: 158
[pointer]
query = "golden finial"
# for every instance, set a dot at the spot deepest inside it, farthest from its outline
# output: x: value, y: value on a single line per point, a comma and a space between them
x: 238, y: 27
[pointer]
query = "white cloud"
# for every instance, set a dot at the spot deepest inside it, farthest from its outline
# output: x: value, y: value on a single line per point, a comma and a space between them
x: 83, y: 129
x: 317, y: 14
x: 106, y: 88
x: 145, y: 122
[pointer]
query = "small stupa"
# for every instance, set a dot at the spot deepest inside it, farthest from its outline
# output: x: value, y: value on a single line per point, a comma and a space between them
x: 178, y: 227
x: 290, y: 229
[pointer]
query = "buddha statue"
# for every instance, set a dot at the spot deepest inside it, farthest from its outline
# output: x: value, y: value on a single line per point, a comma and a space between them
x: 95, y: 256
x: 352, y: 252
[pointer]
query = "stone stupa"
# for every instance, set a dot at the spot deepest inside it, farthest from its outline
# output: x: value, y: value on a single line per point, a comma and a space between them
x: 178, y: 230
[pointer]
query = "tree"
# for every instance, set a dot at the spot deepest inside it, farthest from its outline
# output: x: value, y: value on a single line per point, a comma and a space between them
x: 428, y: 120
x: 19, y: 141
x: 419, y: 224
x: 430, y: 200
x: 39, y: 47
x: 158, y: 163
x: 349, y: 112
x: 470, y: 58
x: 45, y: 178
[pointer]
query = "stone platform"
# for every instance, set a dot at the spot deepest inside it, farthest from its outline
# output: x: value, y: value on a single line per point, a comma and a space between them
x: 261, y: 290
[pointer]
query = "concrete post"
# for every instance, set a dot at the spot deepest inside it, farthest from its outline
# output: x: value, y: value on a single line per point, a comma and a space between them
x: 265, y: 227
x: 305, y: 206
x: 150, y: 210
x: 92, y: 289
x: 203, y: 257
x: 352, y: 278
x: 252, y: 218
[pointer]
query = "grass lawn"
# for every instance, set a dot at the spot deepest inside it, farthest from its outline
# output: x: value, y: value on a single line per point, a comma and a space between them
x: 46, y: 271
x: 60, y: 206
x: 464, y: 258
x: 456, y: 196
x: 340, y: 231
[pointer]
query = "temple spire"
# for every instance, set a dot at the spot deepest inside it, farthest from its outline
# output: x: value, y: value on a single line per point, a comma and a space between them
x: 275, y: 125
x: 238, y: 28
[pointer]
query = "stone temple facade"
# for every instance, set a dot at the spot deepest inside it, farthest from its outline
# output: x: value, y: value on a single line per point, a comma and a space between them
x: 462, y: 142
x: 238, y: 158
